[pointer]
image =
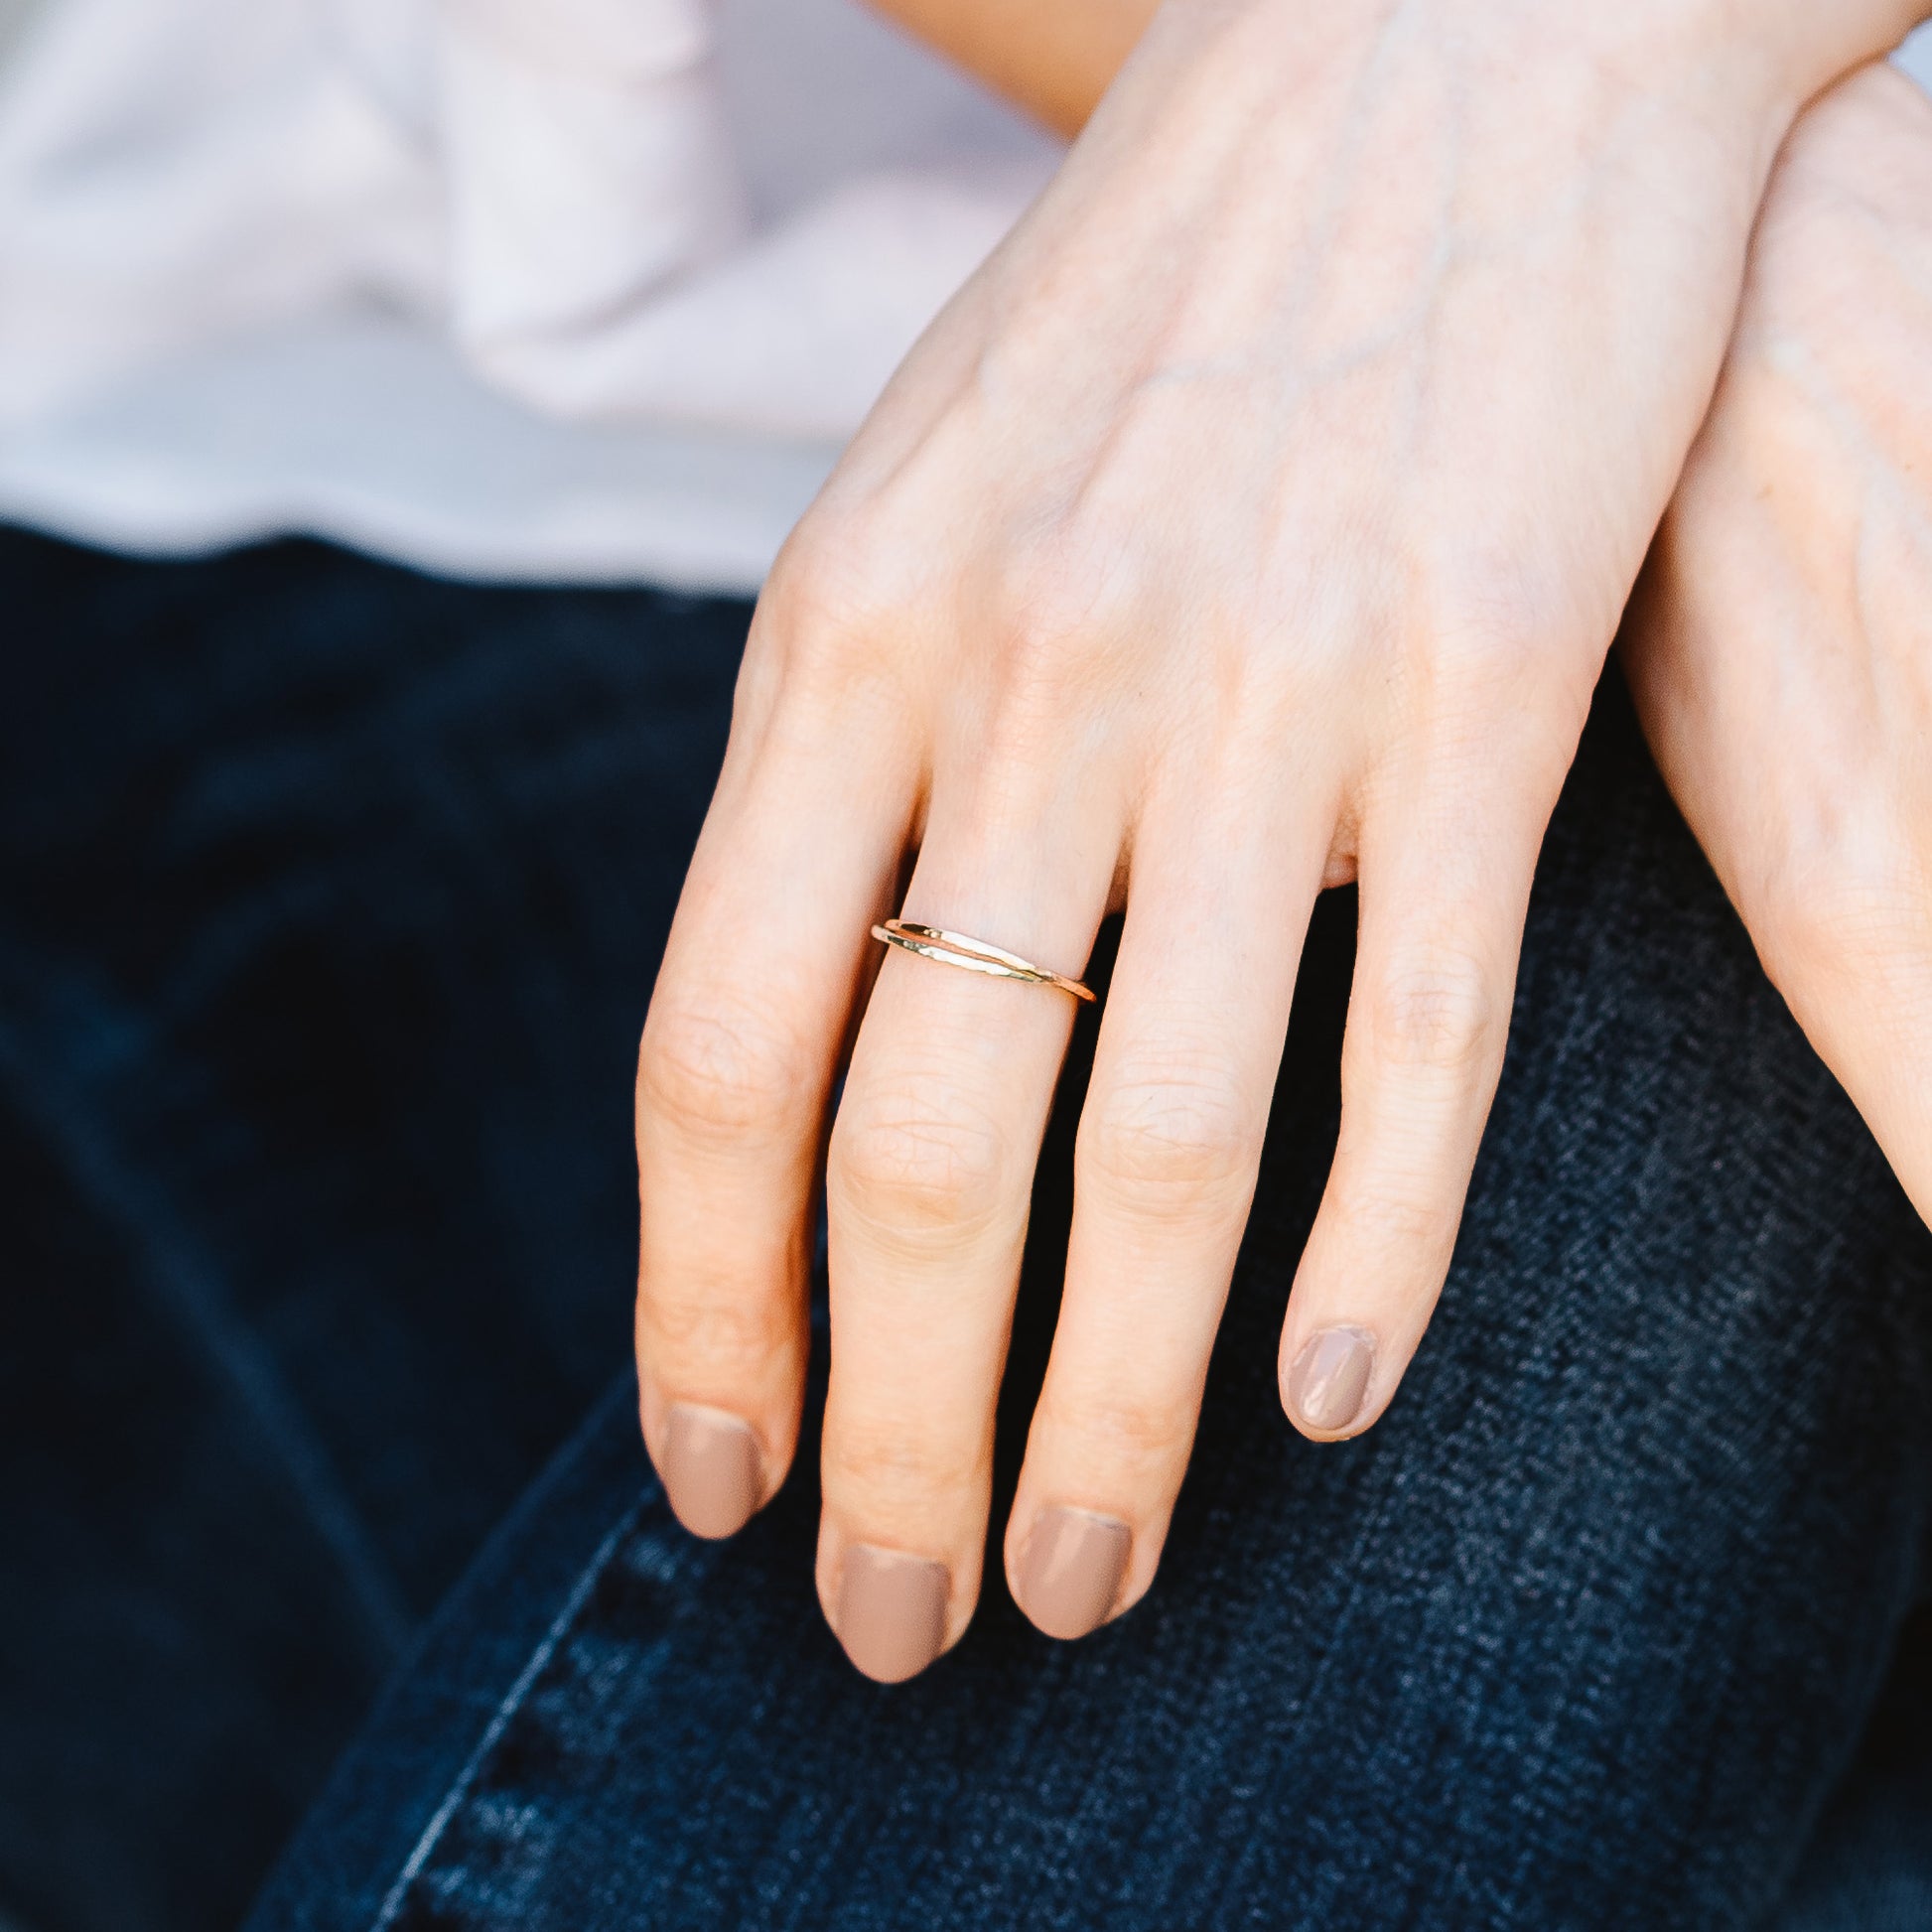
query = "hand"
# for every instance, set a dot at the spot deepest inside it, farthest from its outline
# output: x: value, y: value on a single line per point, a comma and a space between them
x: 1781, y: 647
x: 1258, y: 516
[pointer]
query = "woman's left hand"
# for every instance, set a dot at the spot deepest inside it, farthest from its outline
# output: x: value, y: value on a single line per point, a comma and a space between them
x: 1781, y: 644
x: 1258, y: 516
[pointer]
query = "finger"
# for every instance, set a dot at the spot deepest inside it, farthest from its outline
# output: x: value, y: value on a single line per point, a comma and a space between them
x: 799, y: 854
x: 1170, y: 1146
x: 929, y: 1182
x: 1441, y: 926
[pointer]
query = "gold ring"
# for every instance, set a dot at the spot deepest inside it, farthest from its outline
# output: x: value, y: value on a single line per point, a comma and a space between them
x: 975, y: 955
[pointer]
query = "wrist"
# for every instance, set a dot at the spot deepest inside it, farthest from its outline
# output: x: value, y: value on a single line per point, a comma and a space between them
x: 1812, y: 45
x: 1774, y: 54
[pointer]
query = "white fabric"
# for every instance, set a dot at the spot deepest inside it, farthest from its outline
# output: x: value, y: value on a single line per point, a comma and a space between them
x: 579, y: 289
x: 593, y: 289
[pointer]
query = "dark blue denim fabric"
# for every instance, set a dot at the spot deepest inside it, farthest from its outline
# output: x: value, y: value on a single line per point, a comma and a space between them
x: 330, y: 899
x: 329, y: 902
x: 1582, y: 1636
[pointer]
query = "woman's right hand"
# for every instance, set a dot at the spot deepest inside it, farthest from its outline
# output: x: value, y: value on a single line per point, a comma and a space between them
x: 1781, y: 644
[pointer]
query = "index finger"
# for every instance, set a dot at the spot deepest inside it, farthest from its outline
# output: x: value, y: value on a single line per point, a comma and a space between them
x: 799, y: 853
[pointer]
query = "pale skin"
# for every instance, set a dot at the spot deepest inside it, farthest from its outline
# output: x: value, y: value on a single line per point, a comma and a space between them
x: 1781, y: 644
x: 1256, y: 521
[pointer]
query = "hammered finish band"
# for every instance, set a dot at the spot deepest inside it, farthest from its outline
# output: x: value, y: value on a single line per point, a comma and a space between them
x: 975, y: 955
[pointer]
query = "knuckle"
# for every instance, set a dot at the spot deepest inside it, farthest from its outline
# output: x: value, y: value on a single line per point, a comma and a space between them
x: 1387, y: 1217
x: 1167, y: 1136
x: 914, y: 1164
x: 836, y: 597
x: 834, y: 566
x: 1440, y: 1010
x: 1490, y: 610
x: 732, y: 1334
x: 887, y: 1459
x: 720, y: 1075
x: 1857, y: 917
x: 1141, y: 1432
x: 1060, y: 597
x: 1048, y: 598
x: 1490, y: 649
x: 1482, y: 634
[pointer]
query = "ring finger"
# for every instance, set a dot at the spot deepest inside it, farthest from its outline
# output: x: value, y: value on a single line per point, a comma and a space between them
x: 929, y: 1182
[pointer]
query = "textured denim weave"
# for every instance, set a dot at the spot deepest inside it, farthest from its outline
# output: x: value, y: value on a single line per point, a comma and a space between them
x: 1584, y: 1636
x: 329, y: 902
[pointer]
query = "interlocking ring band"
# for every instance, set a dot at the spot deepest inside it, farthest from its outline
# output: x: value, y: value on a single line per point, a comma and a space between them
x: 975, y: 955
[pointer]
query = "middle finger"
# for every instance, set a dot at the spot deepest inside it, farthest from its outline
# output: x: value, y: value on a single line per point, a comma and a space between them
x: 1170, y: 1149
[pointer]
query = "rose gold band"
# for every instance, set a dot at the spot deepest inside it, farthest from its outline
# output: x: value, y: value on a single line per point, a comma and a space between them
x: 975, y: 955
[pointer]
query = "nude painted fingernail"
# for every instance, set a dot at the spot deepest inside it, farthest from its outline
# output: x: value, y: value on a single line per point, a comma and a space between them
x: 1071, y: 1571
x: 1329, y: 1378
x: 710, y: 1468
x: 892, y: 1612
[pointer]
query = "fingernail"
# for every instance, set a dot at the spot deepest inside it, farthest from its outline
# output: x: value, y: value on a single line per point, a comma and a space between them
x: 710, y: 1470
x: 1071, y: 1571
x: 1329, y: 1378
x: 892, y: 1612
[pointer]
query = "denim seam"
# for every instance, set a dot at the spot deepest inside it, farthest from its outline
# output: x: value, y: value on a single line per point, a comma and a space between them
x: 506, y: 1712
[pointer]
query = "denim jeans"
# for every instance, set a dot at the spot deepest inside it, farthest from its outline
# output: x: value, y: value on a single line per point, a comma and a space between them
x: 331, y: 900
